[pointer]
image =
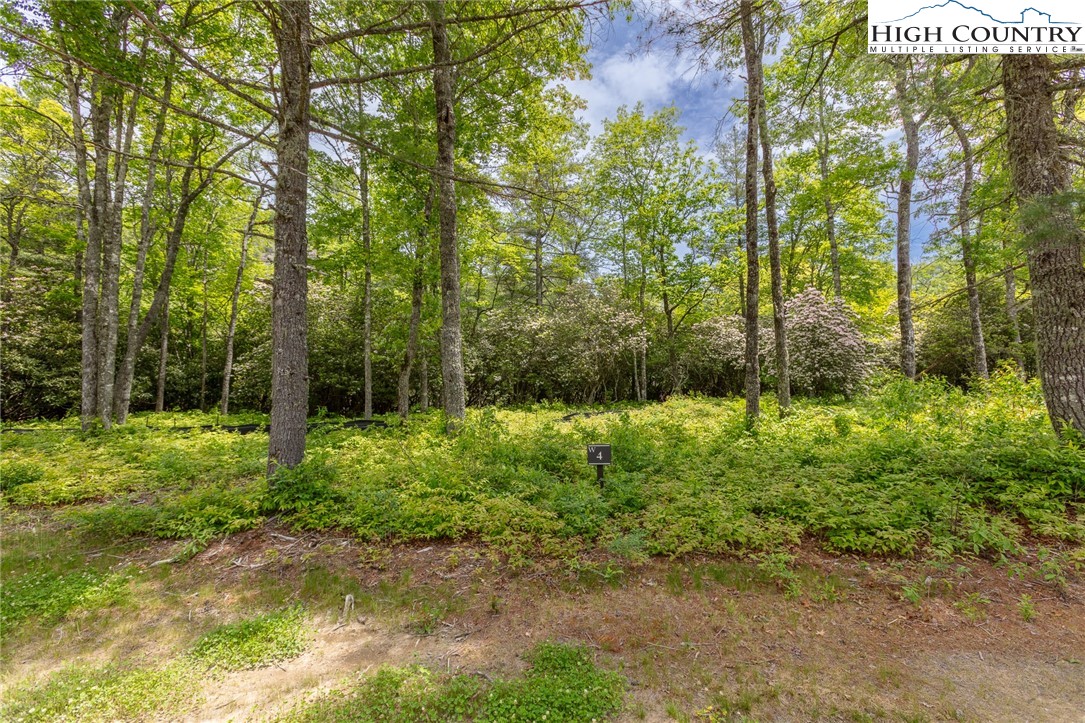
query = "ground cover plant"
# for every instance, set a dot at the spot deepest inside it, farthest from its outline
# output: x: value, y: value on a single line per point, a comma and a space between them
x: 908, y: 468
x: 919, y: 479
x: 562, y: 684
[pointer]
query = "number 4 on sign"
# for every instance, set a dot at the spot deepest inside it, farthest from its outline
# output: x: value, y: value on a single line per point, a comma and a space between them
x: 598, y: 454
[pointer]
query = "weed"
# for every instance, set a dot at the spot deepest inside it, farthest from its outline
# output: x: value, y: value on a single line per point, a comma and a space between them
x: 973, y: 606
x: 562, y: 685
x: 1052, y: 567
x: 103, y: 694
x: 49, y: 596
x: 1026, y: 608
x: 253, y: 643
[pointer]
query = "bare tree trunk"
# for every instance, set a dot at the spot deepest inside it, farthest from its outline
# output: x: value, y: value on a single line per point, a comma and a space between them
x: 783, y: 372
x: 97, y: 201
x: 203, y: 338
x: 1041, y: 182
x: 367, y: 292
x: 538, y: 264
x: 92, y: 255
x: 228, y: 369
x: 964, y: 220
x: 290, y: 356
x: 830, y: 207
x: 403, y: 389
x: 643, y: 373
x: 904, y: 223
x: 423, y: 386
x: 173, y: 243
x: 109, y: 302
x: 158, y: 301
x: 753, y: 261
x: 1009, y: 277
x: 122, y: 392
x: 163, y: 356
x: 451, y: 333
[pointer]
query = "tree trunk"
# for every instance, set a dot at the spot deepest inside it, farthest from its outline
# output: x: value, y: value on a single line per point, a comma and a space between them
x: 830, y: 207
x: 109, y: 301
x: 163, y: 355
x: 122, y: 392
x: 753, y: 262
x: 451, y: 333
x: 231, y: 329
x: 783, y: 374
x: 1041, y: 182
x: 290, y: 356
x: 367, y: 292
x: 964, y: 220
x: 538, y: 264
x: 423, y: 391
x: 403, y: 389
x: 92, y: 255
x: 158, y: 301
x: 904, y: 223
x: 1009, y: 277
x: 203, y: 337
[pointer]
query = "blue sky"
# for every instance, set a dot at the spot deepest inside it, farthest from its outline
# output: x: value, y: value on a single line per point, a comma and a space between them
x: 627, y: 70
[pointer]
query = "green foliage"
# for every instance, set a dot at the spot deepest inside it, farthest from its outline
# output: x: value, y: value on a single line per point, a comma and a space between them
x: 102, y: 694
x: 906, y: 469
x: 1026, y: 608
x: 393, y: 695
x: 48, y: 596
x: 13, y: 474
x: 253, y: 643
x: 563, y: 684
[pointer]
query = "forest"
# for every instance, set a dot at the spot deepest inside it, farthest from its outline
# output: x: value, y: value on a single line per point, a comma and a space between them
x: 310, y: 307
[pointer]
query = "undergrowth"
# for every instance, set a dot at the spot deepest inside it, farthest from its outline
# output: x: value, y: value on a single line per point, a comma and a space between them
x: 253, y: 643
x: 563, y: 684
x: 909, y: 468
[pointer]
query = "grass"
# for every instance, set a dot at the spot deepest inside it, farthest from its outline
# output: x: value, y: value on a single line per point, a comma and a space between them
x: 908, y: 469
x: 123, y: 691
x: 253, y: 643
x: 563, y: 684
x: 102, y: 694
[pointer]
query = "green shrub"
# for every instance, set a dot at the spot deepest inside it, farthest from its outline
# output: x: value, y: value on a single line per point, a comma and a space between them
x: 13, y: 474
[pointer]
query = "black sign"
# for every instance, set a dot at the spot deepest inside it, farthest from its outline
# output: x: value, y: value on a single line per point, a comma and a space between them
x: 598, y: 454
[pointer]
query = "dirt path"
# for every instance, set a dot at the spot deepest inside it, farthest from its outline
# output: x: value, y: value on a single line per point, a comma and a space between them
x: 698, y: 639
x: 708, y: 632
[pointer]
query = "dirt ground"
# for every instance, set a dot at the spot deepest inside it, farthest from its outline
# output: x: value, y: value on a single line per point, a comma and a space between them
x: 698, y: 638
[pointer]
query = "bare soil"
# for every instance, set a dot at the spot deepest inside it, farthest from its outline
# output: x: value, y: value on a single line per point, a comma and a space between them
x: 696, y: 637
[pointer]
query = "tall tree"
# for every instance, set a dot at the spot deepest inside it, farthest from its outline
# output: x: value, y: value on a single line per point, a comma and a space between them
x: 1042, y: 182
x: 292, y: 29
x: 904, y: 88
x: 964, y: 227
x: 754, y: 92
x: 451, y: 332
x: 783, y: 377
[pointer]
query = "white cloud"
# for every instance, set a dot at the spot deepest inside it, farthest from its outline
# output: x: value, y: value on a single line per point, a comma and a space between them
x: 622, y: 79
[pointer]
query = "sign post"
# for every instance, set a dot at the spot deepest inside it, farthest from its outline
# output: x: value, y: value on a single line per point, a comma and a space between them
x: 599, y: 457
